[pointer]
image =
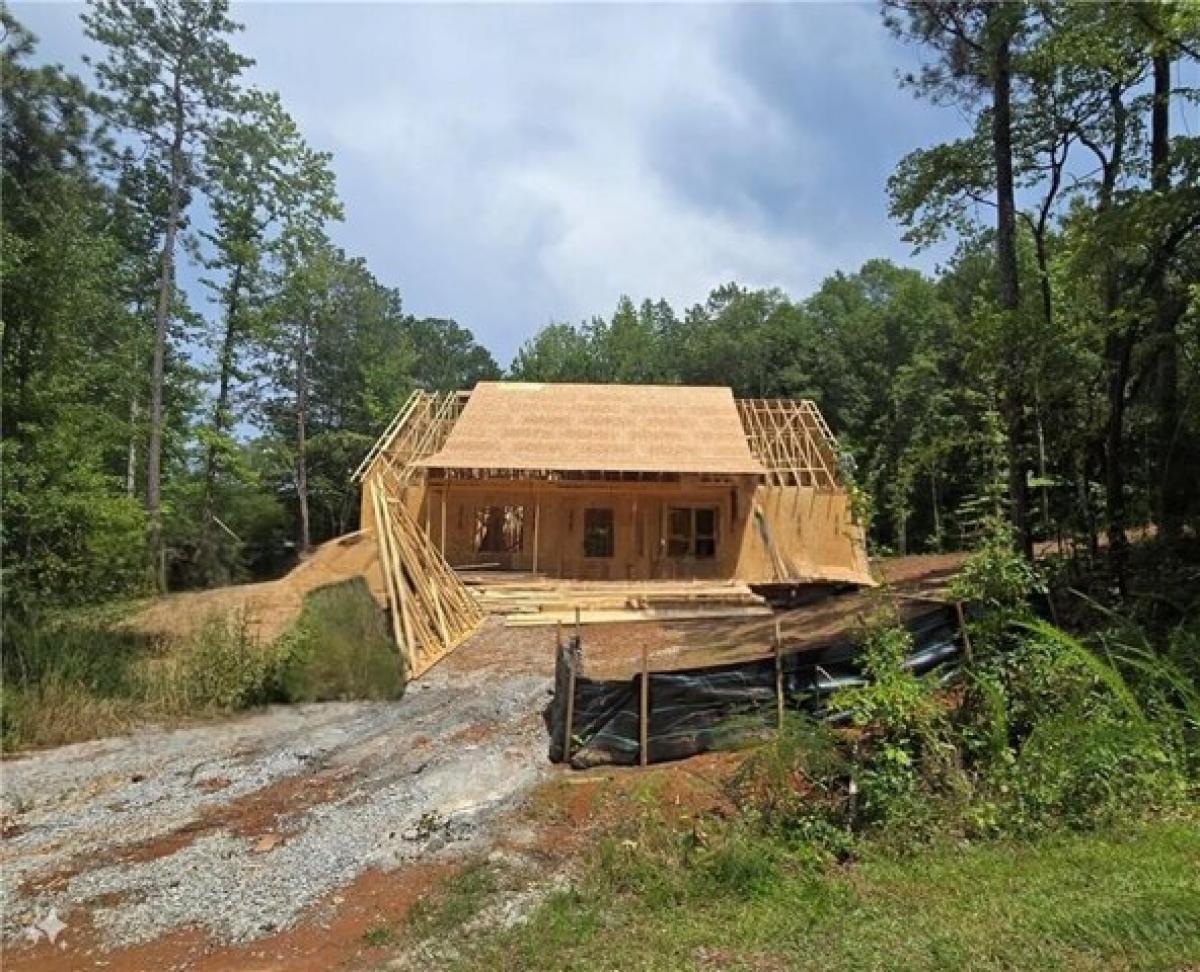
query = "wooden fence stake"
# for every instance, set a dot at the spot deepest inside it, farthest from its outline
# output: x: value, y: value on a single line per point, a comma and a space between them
x: 568, y: 724
x: 962, y: 626
x: 779, y: 676
x: 644, y: 710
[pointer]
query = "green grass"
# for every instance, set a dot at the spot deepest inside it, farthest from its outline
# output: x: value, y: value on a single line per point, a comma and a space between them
x: 459, y: 900
x: 381, y: 935
x: 339, y: 648
x: 1126, y: 900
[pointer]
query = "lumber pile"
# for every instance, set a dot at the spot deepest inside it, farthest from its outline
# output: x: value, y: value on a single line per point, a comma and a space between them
x: 529, y: 600
x: 431, y: 611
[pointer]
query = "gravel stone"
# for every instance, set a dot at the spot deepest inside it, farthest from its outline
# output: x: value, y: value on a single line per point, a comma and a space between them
x: 416, y: 778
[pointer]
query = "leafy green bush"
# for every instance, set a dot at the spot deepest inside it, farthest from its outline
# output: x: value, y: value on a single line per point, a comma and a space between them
x: 902, y: 750
x: 1092, y: 746
x: 999, y: 582
x: 795, y: 787
x: 340, y: 648
x: 1039, y: 731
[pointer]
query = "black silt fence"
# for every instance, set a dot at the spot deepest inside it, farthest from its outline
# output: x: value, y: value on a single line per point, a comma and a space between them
x: 696, y: 710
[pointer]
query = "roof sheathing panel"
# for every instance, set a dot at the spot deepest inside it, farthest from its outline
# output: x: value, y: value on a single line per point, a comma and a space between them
x: 610, y: 428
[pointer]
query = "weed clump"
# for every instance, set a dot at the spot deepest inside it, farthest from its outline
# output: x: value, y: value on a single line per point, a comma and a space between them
x: 340, y: 649
x: 67, y: 679
x: 1039, y: 731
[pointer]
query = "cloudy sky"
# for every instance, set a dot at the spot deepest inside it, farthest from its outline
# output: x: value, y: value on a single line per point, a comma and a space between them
x: 510, y: 165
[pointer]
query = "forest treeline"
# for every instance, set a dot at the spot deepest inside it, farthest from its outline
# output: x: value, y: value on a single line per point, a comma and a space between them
x: 154, y: 437
x: 162, y: 437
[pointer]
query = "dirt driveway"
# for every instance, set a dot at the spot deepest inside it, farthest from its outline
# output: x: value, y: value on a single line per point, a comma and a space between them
x: 274, y: 840
x: 225, y: 834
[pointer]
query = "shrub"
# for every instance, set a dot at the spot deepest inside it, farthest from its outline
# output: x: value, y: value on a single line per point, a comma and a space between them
x: 998, y: 582
x: 340, y: 648
x: 73, y: 677
x: 795, y: 788
x: 222, y: 667
x: 1094, y: 746
x: 902, y: 751
x: 66, y: 682
x: 1042, y: 731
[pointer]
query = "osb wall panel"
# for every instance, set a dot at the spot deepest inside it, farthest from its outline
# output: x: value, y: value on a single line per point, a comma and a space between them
x: 812, y: 534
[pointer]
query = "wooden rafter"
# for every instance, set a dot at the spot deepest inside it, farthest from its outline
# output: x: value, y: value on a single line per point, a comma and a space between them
x: 792, y: 440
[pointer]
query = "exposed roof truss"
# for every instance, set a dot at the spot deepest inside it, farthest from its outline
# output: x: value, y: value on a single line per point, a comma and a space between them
x: 792, y: 440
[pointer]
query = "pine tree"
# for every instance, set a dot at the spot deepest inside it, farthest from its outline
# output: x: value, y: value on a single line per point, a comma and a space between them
x: 169, y: 73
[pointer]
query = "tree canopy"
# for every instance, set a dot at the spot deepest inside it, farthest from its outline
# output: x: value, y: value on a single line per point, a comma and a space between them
x: 1048, y: 370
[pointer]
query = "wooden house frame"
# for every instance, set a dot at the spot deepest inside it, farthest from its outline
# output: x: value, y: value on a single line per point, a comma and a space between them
x: 598, y: 483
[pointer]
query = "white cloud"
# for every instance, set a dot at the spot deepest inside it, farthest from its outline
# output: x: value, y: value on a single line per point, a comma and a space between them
x: 514, y: 145
x: 509, y: 165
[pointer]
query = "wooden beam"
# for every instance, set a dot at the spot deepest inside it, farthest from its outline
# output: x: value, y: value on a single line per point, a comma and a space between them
x: 445, y: 502
x: 537, y: 510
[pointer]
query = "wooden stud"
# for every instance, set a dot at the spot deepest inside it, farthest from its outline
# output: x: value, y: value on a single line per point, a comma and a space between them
x: 537, y: 518
x: 383, y: 541
x: 432, y: 609
x: 445, y: 503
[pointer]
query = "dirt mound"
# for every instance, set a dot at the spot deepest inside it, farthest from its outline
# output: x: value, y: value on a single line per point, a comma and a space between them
x: 269, y: 607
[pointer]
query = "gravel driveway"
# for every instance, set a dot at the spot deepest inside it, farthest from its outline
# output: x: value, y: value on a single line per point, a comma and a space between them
x: 235, y: 828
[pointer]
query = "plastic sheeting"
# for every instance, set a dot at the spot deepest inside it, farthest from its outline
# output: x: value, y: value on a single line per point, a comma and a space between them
x: 693, y: 711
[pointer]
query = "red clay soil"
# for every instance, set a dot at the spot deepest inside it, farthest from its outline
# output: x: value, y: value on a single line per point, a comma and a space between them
x: 559, y: 820
x: 329, y: 935
x: 575, y: 809
x: 267, y: 609
x: 262, y: 814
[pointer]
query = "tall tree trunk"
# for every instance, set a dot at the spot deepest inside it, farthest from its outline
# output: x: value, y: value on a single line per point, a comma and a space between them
x: 1042, y: 255
x: 1172, y: 483
x: 131, y: 461
x: 1083, y: 495
x: 937, y: 513
x: 220, y: 422
x: 305, y: 538
x: 135, y: 407
x: 162, y: 315
x: 1008, y: 284
x: 1118, y: 353
x: 1040, y: 431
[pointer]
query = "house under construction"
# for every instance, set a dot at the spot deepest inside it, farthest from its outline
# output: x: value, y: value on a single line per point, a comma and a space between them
x: 645, y: 488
